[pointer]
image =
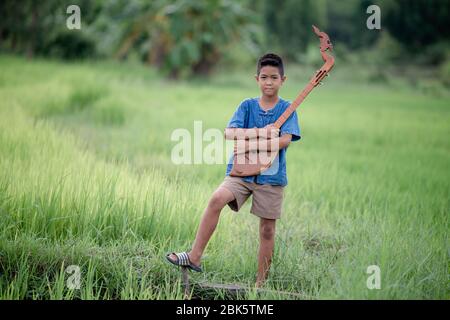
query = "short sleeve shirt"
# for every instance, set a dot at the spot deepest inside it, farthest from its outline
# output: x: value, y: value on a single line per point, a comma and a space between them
x: 249, y: 114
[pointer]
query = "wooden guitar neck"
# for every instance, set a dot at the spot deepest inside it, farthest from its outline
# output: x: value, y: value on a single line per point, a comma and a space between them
x: 294, y: 105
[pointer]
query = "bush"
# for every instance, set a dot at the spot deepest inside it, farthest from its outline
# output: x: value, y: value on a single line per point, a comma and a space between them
x: 434, y: 55
x: 70, y: 45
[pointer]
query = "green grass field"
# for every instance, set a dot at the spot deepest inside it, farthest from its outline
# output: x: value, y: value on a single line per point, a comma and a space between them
x: 86, y: 179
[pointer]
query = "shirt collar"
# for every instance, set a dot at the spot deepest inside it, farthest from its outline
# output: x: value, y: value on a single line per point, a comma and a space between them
x: 269, y: 112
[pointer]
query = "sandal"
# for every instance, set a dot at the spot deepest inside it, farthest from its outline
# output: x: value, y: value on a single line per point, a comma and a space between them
x: 183, y: 261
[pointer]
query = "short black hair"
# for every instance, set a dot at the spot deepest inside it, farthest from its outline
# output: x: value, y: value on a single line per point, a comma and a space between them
x: 270, y: 59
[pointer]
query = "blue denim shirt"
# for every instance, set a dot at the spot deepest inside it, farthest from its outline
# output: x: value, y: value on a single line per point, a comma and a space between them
x: 249, y: 114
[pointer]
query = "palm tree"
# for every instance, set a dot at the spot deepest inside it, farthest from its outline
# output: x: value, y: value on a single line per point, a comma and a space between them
x: 187, y: 35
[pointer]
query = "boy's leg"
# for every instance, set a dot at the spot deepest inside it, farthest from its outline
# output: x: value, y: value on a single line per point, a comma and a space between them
x: 208, y: 223
x: 266, y: 245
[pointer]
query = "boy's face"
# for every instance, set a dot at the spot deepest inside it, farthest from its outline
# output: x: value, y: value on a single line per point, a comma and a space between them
x: 269, y: 80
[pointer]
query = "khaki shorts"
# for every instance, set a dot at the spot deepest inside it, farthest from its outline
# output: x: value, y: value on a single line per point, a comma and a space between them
x: 267, y: 199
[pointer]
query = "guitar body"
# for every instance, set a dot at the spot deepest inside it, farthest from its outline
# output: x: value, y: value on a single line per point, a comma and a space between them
x: 252, y: 163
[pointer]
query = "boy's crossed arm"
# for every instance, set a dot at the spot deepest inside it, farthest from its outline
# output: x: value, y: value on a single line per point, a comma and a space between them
x: 261, y: 139
x: 268, y: 132
x: 274, y: 144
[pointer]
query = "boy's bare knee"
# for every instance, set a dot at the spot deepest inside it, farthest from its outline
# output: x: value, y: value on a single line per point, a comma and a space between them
x: 217, y: 201
x: 267, y: 231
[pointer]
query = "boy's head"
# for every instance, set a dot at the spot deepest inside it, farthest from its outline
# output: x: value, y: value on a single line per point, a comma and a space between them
x: 270, y: 59
x: 270, y: 74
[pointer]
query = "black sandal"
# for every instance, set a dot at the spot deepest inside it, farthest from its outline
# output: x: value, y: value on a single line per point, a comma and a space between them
x: 183, y: 261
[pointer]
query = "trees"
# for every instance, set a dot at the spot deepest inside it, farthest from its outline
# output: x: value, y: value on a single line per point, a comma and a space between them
x: 182, y: 37
x: 179, y: 37
x: 416, y: 24
x: 187, y: 36
x: 420, y: 23
x: 31, y: 27
x: 288, y: 24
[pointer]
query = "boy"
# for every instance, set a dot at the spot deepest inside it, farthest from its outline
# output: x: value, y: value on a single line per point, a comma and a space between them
x: 267, y: 189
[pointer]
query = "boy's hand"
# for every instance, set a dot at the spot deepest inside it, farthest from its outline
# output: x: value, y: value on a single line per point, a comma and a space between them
x: 269, y: 132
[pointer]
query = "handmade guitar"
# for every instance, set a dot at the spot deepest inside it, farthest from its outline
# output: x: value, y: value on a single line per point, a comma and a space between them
x: 253, y: 163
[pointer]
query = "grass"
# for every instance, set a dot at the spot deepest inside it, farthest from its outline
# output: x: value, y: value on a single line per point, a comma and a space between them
x: 86, y: 179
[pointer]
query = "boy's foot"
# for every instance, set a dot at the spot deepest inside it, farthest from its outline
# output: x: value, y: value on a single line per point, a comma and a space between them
x: 174, y: 258
x: 193, y: 262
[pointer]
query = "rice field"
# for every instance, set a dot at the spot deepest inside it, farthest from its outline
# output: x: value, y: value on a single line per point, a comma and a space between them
x: 86, y: 180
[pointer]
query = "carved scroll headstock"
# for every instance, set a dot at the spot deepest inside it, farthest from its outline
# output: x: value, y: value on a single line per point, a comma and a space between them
x: 325, y: 45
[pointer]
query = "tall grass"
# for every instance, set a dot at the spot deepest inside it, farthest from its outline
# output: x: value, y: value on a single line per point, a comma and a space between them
x: 86, y: 179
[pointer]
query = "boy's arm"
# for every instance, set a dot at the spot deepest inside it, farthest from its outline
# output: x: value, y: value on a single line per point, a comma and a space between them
x: 268, y: 132
x: 267, y: 145
x: 273, y: 144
